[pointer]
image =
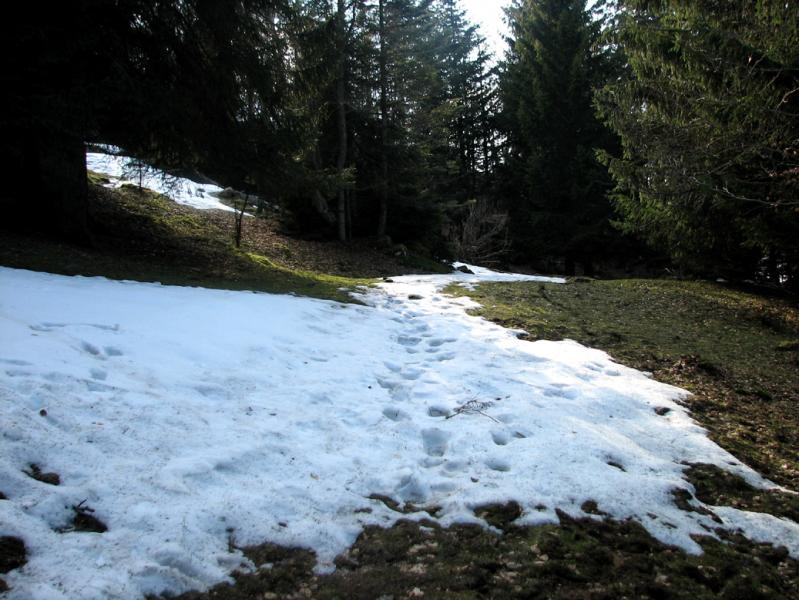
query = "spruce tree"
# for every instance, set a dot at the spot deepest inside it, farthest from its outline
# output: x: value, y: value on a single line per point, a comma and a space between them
x: 709, y: 120
x: 555, y: 185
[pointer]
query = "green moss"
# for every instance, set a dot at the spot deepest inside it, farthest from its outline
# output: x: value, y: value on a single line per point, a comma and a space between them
x: 140, y: 235
x: 306, y: 283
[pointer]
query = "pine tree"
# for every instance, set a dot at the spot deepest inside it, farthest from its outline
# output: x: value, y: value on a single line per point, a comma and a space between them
x: 559, y: 209
x: 710, y: 121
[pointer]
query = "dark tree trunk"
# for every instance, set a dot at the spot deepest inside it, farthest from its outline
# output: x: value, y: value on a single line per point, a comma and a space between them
x: 383, y: 213
x: 238, y: 217
x: 341, y: 96
x: 588, y: 266
x: 61, y: 186
x: 569, y: 266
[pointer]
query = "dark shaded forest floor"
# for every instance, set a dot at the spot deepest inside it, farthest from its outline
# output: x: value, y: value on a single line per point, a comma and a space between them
x: 143, y: 236
x: 737, y: 352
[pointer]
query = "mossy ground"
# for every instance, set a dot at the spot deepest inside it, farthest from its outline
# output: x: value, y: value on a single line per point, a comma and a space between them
x: 142, y: 236
x: 584, y: 558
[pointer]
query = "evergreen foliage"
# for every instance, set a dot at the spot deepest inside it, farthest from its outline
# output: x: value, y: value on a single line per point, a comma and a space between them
x: 194, y: 84
x: 389, y: 119
x: 709, y: 119
x: 417, y: 122
x: 555, y: 185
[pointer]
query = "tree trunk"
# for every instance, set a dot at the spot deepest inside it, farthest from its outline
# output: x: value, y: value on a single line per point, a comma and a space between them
x: 588, y: 266
x: 238, y: 216
x: 341, y: 97
x: 61, y: 184
x: 569, y: 266
x: 383, y: 213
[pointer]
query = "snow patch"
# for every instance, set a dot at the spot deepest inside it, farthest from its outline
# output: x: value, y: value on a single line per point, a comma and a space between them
x: 187, y: 417
x: 181, y: 190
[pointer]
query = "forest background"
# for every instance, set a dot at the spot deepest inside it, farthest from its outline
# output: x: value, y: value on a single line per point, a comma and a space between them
x: 626, y: 136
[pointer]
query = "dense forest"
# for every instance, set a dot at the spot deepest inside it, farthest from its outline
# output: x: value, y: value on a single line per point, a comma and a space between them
x: 616, y: 135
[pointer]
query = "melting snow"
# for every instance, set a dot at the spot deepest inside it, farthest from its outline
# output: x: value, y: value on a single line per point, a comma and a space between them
x: 181, y: 190
x: 188, y: 417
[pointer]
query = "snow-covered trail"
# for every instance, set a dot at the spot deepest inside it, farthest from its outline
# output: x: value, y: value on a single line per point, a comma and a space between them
x: 187, y: 418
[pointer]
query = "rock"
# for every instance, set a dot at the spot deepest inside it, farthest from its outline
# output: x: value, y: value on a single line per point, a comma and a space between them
x: 465, y: 269
x: 415, y: 297
x: 228, y: 193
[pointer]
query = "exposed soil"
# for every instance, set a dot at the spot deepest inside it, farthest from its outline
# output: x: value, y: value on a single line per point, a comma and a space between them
x: 35, y: 472
x: 85, y: 520
x: 583, y: 558
x: 12, y: 556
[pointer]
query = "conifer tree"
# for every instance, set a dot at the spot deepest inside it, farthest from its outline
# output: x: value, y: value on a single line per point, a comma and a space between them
x: 557, y: 187
x: 709, y: 119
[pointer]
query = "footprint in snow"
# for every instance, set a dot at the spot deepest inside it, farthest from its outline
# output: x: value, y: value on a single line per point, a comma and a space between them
x: 435, y: 441
x: 90, y: 348
x: 497, y: 464
x: 14, y: 362
x: 98, y: 374
x: 407, y: 340
x: 455, y: 466
x: 395, y: 414
x: 500, y: 437
x: 436, y: 342
x: 439, y: 411
x: 94, y: 386
x: 411, y: 374
x: 18, y: 373
x: 387, y: 384
x: 562, y: 392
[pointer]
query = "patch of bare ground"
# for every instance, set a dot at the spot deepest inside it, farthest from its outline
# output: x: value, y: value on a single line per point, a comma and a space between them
x: 580, y: 558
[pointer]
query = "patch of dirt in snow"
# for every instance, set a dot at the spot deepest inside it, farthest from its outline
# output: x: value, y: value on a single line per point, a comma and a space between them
x: 12, y: 556
x: 581, y: 558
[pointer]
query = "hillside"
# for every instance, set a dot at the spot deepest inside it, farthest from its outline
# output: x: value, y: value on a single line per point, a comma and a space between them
x: 141, y: 235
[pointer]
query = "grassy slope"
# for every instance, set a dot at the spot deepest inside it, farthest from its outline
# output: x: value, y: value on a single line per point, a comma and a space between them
x: 142, y: 236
